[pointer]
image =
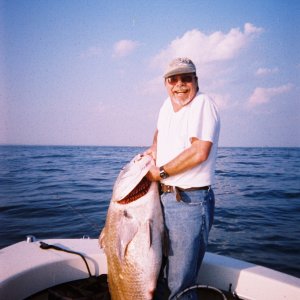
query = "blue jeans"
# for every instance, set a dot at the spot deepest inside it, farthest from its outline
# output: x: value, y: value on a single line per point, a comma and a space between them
x: 187, y: 223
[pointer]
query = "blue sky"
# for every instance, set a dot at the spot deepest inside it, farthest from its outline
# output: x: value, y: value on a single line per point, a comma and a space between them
x: 90, y: 72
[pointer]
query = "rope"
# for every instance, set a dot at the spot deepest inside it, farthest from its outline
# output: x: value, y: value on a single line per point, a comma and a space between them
x: 46, y: 246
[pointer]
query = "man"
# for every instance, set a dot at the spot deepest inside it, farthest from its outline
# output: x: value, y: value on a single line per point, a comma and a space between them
x: 185, y: 149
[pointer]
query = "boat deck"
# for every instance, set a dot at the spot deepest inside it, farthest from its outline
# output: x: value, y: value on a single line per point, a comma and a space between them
x: 99, y: 288
x: 27, y: 269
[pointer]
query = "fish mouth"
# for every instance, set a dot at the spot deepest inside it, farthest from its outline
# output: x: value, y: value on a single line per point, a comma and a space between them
x: 139, y: 191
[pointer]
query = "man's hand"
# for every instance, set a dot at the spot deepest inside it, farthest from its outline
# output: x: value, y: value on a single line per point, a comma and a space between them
x: 151, y: 151
x: 153, y: 174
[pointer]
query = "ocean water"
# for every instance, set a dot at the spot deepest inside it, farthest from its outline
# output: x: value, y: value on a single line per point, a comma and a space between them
x: 64, y: 192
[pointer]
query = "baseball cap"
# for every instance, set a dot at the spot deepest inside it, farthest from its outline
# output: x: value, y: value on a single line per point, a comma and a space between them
x: 180, y: 65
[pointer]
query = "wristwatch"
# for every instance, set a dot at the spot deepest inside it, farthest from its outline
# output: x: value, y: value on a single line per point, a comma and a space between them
x: 162, y: 173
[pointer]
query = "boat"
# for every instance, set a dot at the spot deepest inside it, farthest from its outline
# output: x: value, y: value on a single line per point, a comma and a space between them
x: 27, y: 269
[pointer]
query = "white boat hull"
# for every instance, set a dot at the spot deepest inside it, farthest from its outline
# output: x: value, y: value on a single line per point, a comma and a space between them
x: 25, y: 269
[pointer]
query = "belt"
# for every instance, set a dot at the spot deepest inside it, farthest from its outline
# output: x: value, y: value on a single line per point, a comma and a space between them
x: 175, y: 189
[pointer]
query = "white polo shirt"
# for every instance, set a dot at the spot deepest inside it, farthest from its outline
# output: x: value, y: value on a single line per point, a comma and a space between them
x: 200, y: 119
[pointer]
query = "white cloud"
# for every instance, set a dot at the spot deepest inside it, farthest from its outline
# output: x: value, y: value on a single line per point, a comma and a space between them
x: 265, y: 95
x: 154, y: 86
x: 266, y: 71
x: 124, y: 48
x: 251, y: 29
x: 222, y: 101
x: 203, y: 49
x: 91, y: 52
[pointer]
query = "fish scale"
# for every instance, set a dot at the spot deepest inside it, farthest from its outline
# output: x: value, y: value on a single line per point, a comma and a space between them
x: 133, y: 234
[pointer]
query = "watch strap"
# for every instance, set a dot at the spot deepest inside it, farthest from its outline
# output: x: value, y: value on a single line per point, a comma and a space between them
x: 162, y: 173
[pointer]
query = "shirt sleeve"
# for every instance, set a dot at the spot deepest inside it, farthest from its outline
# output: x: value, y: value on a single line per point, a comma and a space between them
x: 204, y: 119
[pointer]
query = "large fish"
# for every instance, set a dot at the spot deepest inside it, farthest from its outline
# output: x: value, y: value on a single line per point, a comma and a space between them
x: 133, y: 233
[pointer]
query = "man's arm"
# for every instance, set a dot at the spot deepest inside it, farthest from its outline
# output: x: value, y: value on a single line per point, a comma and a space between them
x: 196, y: 154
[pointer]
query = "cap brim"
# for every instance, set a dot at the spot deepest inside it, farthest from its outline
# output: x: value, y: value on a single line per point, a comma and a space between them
x: 178, y: 71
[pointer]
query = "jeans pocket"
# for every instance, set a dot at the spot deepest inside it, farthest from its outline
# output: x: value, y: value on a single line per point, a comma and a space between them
x: 193, y: 198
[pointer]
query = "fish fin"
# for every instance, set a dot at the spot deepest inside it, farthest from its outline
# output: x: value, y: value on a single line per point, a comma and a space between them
x: 102, y: 238
x: 128, y: 229
x: 145, y: 234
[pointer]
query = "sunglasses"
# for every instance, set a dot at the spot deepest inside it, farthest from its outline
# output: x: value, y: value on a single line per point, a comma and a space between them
x: 184, y: 79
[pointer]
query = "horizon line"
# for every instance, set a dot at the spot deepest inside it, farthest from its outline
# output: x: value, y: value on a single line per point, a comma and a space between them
x: 128, y: 146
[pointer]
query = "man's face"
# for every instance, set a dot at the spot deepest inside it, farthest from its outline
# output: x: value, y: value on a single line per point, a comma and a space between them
x: 182, y: 88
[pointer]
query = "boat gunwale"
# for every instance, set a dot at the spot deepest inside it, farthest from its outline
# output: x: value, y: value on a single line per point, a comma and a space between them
x: 24, y: 263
